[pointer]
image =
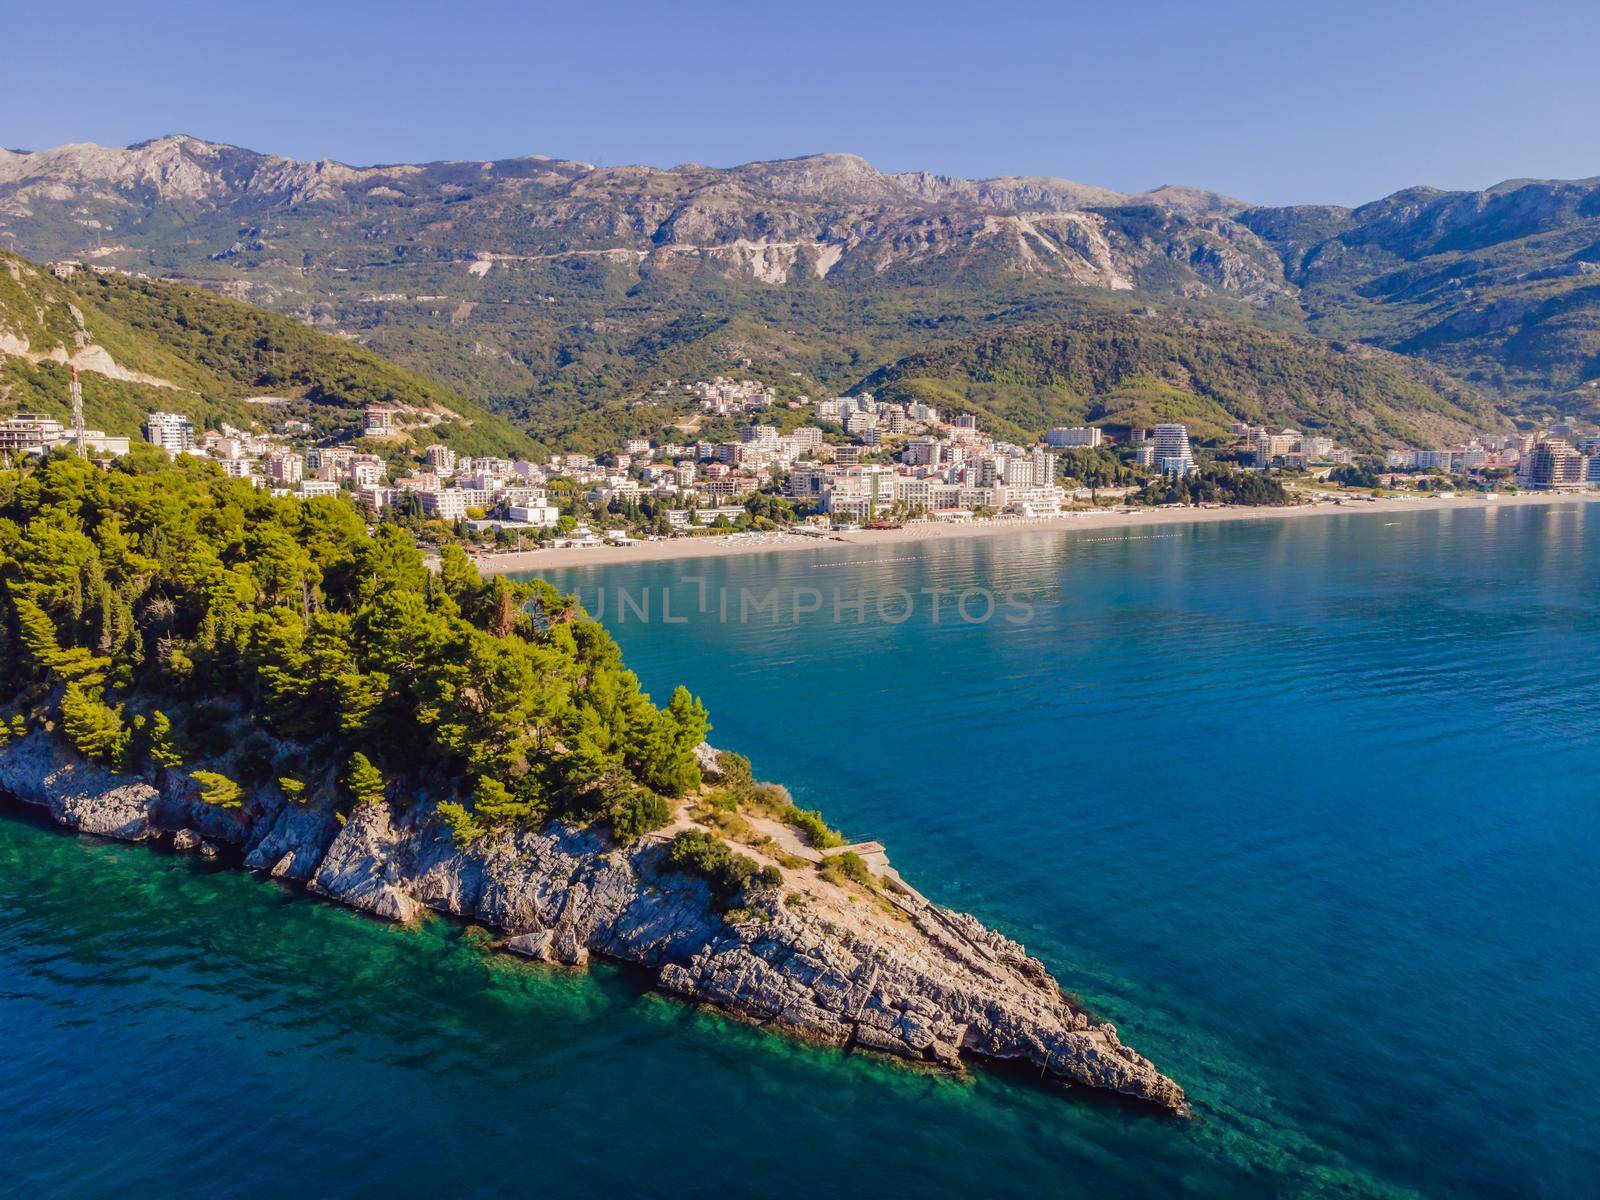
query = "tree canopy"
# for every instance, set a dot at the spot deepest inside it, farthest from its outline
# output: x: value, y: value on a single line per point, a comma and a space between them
x: 160, y: 614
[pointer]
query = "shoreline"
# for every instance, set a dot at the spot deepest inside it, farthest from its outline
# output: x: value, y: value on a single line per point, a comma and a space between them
x: 928, y: 531
x: 898, y: 976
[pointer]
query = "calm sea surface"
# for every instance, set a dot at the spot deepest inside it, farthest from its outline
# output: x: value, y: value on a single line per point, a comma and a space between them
x: 1308, y: 808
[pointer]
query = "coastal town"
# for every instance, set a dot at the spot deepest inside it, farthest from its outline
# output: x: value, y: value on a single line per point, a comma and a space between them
x: 814, y: 467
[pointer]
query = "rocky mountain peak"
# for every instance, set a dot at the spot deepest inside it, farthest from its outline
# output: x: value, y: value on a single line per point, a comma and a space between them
x: 835, y: 178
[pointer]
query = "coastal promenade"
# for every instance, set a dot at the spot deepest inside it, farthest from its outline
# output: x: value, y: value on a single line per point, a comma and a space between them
x: 922, y: 531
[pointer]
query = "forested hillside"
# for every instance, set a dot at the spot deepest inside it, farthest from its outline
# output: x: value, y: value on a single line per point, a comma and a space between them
x: 141, y: 344
x: 1135, y: 369
x: 160, y: 615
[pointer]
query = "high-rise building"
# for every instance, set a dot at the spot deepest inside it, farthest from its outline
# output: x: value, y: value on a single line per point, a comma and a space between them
x: 1044, y: 468
x: 1173, y: 455
x: 173, y: 432
x: 1554, y: 463
x: 1018, y: 473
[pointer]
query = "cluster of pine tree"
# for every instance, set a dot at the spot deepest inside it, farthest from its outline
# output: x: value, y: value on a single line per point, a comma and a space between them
x: 1216, y: 485
x: 160, y: 615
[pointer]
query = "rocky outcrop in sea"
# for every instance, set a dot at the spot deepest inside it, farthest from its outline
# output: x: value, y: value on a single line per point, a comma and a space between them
x: 891, y: 973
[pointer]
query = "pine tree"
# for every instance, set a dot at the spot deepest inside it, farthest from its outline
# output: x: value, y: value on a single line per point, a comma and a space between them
x: 93, y: 726
x: 165, y: 749
x: 218, y: 790
x: 364, y: 781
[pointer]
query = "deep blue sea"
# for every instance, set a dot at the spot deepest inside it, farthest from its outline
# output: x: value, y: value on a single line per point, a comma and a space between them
x: 1308, y: 808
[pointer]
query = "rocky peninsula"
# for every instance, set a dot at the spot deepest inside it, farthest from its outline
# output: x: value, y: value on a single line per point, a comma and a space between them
x: 862, y: 963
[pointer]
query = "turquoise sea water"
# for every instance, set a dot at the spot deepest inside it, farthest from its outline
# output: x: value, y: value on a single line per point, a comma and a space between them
x: 1308, y: 808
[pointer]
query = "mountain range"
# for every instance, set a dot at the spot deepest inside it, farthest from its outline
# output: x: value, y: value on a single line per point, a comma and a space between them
x: 561, y: 293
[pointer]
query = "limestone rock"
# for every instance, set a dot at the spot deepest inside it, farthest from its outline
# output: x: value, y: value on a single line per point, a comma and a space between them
x: 291, y: 841
x: 361, y: 868
x: 710, y: 762
x: 81, y: 795
x: 923, y: 983
x: 531, y: 945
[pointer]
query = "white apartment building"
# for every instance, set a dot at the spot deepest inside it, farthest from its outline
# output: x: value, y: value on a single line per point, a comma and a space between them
x: 1074, y: 437
x: 366, y: 471
x: 859, y: 493
x: 173, y: 432
x: 451, y: 504
x: 858, y: 423
x: 1173, y: 455
x: 30, y: 432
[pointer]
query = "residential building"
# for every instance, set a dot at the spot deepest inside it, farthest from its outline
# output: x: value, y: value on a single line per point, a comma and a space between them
x: 441, y: 458
x: 1173, y: 455
x: 173, y: 432
x: 366, y: 470
x: 1075, y: 437
x: 285, y: 468
x: 381, y: 421
x: 1554, y: 463
x: 30, y: 432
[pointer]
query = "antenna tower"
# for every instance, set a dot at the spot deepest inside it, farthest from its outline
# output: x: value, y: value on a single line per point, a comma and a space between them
x: 77, y: 415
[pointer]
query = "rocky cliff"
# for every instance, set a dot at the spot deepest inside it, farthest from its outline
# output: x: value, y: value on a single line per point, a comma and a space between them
x: 889, y: 972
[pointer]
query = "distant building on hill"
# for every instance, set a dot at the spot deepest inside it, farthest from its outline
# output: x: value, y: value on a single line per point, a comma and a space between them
x: 380, y: 421
x: 30, y: 432
x: 1173, y: 455
x: 440, y: 457
x: 173, y: 432
x: 1074, y: 437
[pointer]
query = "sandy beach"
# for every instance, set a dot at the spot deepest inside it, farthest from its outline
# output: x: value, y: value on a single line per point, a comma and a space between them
x: 927, y: 531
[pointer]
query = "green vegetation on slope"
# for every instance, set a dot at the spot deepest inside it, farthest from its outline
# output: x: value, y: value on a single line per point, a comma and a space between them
x: 1135, y: 369
x: 157, y: 614
x: 214, y: 352
x: 1499, y: 286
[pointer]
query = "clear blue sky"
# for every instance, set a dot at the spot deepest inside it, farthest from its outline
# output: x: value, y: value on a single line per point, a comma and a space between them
x: 1277, y: 102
